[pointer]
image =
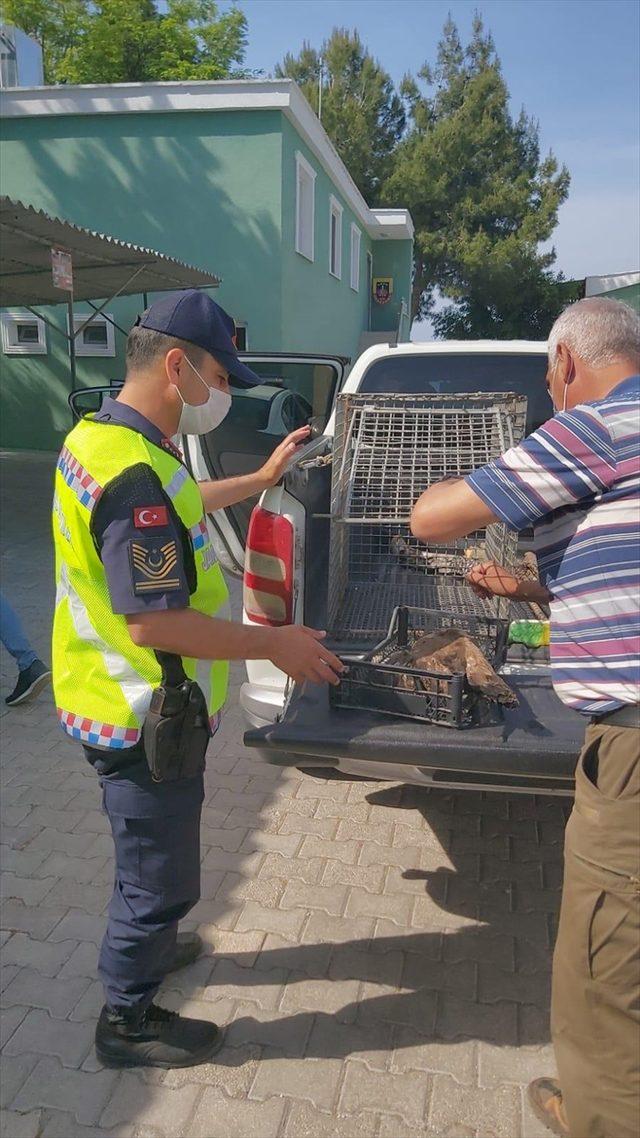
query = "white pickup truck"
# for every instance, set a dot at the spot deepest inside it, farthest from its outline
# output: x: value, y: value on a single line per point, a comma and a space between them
x: 281, y: 546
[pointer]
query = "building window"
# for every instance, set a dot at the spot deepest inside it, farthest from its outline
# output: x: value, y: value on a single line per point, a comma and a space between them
x: 97, y: 338
x: 23, y: 334
x: 305, y: 207
x: 354, y: 278
x: 335, y: 238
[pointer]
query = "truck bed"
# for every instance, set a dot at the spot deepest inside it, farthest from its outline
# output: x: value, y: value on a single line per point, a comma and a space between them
x: 533, y: 747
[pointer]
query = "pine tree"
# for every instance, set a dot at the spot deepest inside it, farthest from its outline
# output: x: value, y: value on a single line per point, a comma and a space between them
x: 481, y: 197
x: 361, y: 110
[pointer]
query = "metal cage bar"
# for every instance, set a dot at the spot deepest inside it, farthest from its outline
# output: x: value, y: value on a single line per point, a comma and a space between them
x: 388, y: 449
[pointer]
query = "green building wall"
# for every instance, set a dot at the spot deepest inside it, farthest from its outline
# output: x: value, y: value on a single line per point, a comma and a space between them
x: 214, y: 189
x: 320, y: 312
x: 202, y: 187
x: 393, y: 259
x: 630, y: 294
x: 34, y: 413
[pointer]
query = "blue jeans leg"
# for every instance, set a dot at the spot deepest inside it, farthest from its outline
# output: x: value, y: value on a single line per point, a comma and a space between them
x: 14, y: 637
x: 156, y: 832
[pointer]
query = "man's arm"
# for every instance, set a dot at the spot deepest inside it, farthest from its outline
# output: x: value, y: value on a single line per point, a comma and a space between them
x: 294, y: 649
x: 448, y: 510
x: 133, y: 530
x: 568, y: 459
x: 217, y: 495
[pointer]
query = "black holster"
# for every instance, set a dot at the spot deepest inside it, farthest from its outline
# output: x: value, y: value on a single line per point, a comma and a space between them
x: 176, y: 729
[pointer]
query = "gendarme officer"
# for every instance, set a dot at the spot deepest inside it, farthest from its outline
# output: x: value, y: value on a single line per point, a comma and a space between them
x: 141, y: 648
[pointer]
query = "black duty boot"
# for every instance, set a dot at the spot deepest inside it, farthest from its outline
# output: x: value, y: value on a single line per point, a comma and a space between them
x: 188, y: 948
x: 156, y: 1038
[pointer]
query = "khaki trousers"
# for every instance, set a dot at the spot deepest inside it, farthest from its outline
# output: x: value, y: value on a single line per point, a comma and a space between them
x: 595, y: 1010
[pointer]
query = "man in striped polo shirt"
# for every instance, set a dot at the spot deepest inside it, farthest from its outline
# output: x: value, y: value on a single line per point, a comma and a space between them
x: 576, y: 480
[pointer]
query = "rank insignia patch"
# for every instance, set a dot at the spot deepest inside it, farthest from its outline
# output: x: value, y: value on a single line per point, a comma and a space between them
x: 154, y: 565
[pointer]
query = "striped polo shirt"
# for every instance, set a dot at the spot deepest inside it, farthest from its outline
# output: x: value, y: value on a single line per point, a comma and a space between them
x: 576, y: 480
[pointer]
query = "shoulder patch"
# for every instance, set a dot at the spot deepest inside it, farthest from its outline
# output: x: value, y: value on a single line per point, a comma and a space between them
x: 145, y: 516
x: 154, y: 565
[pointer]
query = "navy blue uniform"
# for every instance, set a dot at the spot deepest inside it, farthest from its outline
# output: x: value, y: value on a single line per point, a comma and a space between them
x: 156, y: 833
x: 155, y: 826
x: 137, y: 490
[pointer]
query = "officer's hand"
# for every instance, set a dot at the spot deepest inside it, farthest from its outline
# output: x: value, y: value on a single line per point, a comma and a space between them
x: 493, y: 580
x: 299, y: 652
x: 277, y: 463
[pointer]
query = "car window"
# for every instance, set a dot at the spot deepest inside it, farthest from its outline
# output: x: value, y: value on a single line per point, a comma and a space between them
x: 314, y: 382
x: 296, y: 412
x: 251, y: 410
x: 89, y: 399
x: 464, y: 372
x: 289, y: 413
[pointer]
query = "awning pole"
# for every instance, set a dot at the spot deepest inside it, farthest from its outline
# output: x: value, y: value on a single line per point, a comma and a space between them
x: 72, y: 343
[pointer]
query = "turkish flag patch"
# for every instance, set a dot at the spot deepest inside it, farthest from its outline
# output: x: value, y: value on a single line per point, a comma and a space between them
x: 146, y: 516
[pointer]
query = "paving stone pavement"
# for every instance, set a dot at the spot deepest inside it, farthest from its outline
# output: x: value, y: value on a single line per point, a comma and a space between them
x: 381, y: 954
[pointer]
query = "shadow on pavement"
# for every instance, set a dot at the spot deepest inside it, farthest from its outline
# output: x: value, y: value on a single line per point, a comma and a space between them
x: 482, y: 974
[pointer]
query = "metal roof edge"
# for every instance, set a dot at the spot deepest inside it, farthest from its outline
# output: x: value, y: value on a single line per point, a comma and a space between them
x: 13, y: 203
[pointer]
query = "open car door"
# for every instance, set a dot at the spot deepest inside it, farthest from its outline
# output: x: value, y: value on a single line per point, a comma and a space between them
x: 297, y: 389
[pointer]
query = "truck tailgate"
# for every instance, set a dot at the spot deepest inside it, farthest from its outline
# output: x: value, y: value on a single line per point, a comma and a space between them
x: 538, y: 740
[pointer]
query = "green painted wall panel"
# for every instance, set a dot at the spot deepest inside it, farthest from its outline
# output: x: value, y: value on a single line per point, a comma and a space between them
x: 630, y: 294
x: 319, y: 312
x: 393, y: 259
x: 215, y: 189
x: 202, y: 187
x: 34, y: 414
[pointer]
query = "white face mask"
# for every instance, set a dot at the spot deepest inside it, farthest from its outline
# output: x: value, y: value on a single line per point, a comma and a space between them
x: 199, y: 419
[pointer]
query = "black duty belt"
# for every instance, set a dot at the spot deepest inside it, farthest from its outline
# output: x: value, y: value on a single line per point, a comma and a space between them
x: 627, y: 716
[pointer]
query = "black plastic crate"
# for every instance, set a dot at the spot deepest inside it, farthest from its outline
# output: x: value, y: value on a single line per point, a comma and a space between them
x: 371, y: 683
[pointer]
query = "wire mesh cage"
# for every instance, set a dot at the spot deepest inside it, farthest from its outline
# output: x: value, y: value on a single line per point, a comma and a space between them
x: 388, y: 449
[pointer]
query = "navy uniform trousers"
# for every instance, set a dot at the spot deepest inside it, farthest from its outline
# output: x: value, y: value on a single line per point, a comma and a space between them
x: 156, y: 834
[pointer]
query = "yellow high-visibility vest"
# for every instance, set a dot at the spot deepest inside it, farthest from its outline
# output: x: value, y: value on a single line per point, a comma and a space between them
x: 103, y: 681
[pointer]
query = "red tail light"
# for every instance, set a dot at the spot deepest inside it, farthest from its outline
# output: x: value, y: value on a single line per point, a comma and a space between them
x: 268, y: 568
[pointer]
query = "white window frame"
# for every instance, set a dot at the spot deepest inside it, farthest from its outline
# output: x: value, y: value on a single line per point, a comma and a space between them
x: 335, y: 210
x: 95, y: 350
x: 305, y: 240
x: 354, y: 263
x: 10, y: 320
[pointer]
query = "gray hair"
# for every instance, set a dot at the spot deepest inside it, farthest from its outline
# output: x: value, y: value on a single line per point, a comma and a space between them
x: 600, y: 331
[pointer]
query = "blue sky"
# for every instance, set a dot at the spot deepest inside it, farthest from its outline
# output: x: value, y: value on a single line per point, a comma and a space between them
x: 571, y: 63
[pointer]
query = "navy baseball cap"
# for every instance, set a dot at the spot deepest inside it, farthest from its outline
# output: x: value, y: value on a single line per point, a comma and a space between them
x: 193, y: 316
